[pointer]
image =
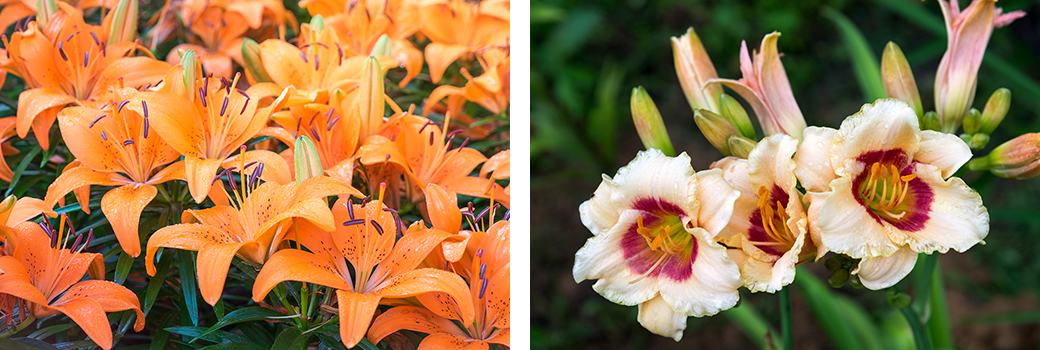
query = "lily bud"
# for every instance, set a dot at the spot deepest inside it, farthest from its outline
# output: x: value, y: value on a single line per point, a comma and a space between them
x: 188, y: 64
x: 1015, y: 159
x: 253, y: 63
x: 317, y: 24
x: 45, y: 10
x: 931, y: 121
x: 899, y: 79
x: 694, y: 68
x: 306, y: 159
x: 740, y: 146
x: 649, y: 123
x: 7, y: 204
x: 971, y: 122
x: 370, y: 99
x: 382, y: 46
x: 978, y: 141
x: 716, y: 129
x: 996, y: 108
x: 735, y: 113
x: 123, y: 22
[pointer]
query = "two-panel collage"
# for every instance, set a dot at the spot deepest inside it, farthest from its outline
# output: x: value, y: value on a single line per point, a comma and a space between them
x: 693, y: 174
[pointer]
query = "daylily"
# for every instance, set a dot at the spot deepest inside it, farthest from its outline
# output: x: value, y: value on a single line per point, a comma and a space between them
x: 251, y: 228
x: 654, y: 227
x: 458, y: 28
x: 208, y: 121
x: 766, y: 88
x: 881, y: 190
x: 48, y: 278
x: 694, y: 68
x: 71, y: 62
x: 489, y: 288
x: 967, y: 34
x: 365, y: 265
x: 767, y: 232
x: 1019, y: 158
x: 116, y: 146
x: 217, y: 39
x: 490, y: 90
x: 361, y: 23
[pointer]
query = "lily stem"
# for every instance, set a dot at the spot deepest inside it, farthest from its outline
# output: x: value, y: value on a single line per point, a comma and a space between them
x: 25, y: 323
x: 927, y: 264
x: 920, y: 335
x: 785, y: 319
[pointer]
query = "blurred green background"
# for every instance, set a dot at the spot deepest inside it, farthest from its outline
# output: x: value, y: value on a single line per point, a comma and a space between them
x: 587, y: 57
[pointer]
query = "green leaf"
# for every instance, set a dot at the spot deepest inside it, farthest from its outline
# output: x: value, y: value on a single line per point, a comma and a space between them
x: 123, y: 267
x: 52, y: 330
x: 244, y: 346
x: 25, y: 344
x: 821, y: 303
x: 21, y: 168
x: 156, y: 283
x: 751, y: 323
x: 290, y: 338
x: 213, y: 337
x: 161, y: 334
x: 859, y: 321
x: 331, y: 341
x: 253, y: 313
x: 186, y: 261
x: 864, y: 61
x: 602, y: 123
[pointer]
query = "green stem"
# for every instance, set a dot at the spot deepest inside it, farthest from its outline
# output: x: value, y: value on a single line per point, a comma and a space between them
x: 785, y: 319
x: 751, y: 323
x: 304, y: 300
x: 927, y: 264
x: 920, y: 335
x: 939, y: 324
x: 25, y: 323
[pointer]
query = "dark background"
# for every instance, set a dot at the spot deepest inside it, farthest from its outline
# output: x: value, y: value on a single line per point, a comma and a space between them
x: 586, y: 58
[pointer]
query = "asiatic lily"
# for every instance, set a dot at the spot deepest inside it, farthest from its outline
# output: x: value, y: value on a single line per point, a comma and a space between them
x: 458, y: 28
x: 71, y: 62
x: 489, y: 288
x: 882, y: 190
x: 7, y: 126
x: 654, y: 227
x: 362, y: 261
x: 14, y: 211
x: 767, y: 232
x: 252, y: 227
x: 217, y: 39
x: 968, y: 33
x: 116, y: 146
x: 361, y: 23
x: 15, y: 10
x: 47, y: 277
x: 766, y: 88
x: 335, y: 134
x: 210, y: 120
x: 490, y: 90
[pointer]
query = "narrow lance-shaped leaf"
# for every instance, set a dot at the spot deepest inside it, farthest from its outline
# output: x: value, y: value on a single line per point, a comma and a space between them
x: 864, y: 64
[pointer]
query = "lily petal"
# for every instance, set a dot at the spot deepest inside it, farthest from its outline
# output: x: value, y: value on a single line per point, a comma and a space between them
x: 957, y: 219
x: 122, y: 207
x: 658, y: 317
x: 885, y: 271
x: 355, y: 314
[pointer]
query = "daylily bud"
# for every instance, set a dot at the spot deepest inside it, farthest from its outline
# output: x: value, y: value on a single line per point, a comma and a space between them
x: 123, y: 23
x: 649, y: 123
x: 188, y: 63
x: 382, y: 46
x: 996, y: 108
x: 45, y: 10
x: 253, y: 63
x: 978, y: 141
x: 1015, y: 159
x: 931, y: 121
x: 735, y: 113
x: 716, y: 129
x: 317, y: 24
x: 370, y: 100
x: 740, y: 146
x: 694, y: 68
x: 306, y: 159
x: 971, y: 122
x: 898, y: 78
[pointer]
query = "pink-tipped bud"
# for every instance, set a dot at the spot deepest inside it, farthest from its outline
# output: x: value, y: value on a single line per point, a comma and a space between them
x: 694, y: 68
x: 1015, y: 159
x: 899, y: 79
x: 716, y: 129
x: 649, y: 123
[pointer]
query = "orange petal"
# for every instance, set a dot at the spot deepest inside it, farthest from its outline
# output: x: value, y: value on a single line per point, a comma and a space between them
x: 75, y: 178
x: 409, y: 251
x: 275, y: 168
x: 200, y: 173
x: 88, y: 146
x: 175, y: 119
x: 35, y: 101
x: 440, y: 93
x: 15, y: 281
x: 355, y: 314
x: 122, y: 207
x: 296, y: 265
x: 213, y: 263
x: 409, y: 56
x: 500, y: 336
x: 496, y: 302
x: 135, y: 72
x: 427, y: 280
x: 111, y: 296
x: 284, y: 64
x: 443, y: 209
x: 27, y: 208
x: 411, y: 318
x: 497, y: 166
x: 90, y: 316
x: 440, y: 56
x: 451, y: 341
x: 321, y: 187
x: 183, y: 236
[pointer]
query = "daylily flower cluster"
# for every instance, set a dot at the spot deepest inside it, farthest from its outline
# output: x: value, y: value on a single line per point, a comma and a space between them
x: 263, y: 154
x: 877, y: 191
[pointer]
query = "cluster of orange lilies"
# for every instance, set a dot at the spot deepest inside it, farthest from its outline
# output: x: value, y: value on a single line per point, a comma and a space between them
x: 264, y: 133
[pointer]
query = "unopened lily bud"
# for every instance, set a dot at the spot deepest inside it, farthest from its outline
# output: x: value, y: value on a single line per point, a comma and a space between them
x: 1015, y: 159
x: 971, y: 121
x: 978, y: 141
x: 382, y: 46
x: 306, y: 159
x: 899, y: 79
x: 740, y: 146
x: 735, y: 113
x: 123, y: 22
x: 45, y: 10
x: 188, y: 63
x: 371, y: 105
x: 996, y: 108
x: 716, y: 129
x: 317, y: 24
x: 931, y: 121
x: 7, y: 204
x: 253, y: 63
x: 694, y: 68
x: 649, y: 123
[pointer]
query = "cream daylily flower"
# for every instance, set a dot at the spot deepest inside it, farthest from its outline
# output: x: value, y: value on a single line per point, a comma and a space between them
x: 768, y: 229
x: 654, y: 227
x: 881, y: 190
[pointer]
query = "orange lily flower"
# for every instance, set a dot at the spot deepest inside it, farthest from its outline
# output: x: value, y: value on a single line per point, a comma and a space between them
x: 15, y: 10
x: 251, y: 228
x: 6, y: 132
x: 217, y: 39
x: 116, y: 147
x: 45, y: 275
x: 360, y: 24
x: 71, y: 62
x: 490, y: 90
x: 458, y: 28
x: 209, y: 121
x: 382, y: 269
x: 335, y: 134
x: 14, y: 211
x: 489, y: 289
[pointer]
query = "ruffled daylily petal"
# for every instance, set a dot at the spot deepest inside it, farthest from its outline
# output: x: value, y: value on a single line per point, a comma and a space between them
x: 889, y: 126
x: 943, y: 151
x: 885, y: 271
x: 958, y: 221
x: 847, y: 227
x: 657, y: 316
x: 598, y: 214
x: 813, y: 157
x: 716, y: 198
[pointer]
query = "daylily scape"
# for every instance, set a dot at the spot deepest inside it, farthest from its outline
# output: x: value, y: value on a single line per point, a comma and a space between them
x: 332, y: 174
x: 873, y: 199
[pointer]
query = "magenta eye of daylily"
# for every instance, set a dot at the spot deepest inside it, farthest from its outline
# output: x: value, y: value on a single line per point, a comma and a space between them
x: 885, y: 190
x: 769, y: 230
x: 668, y: 236
x: 658, y: 242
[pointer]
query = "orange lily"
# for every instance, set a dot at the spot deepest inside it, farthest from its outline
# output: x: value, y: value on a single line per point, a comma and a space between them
x: 6, y: 132
x: 458, y: 28
x: 71, y: 62
x: 360, y: 24
x: 14, y: 211
x: 382, y: 269
x: 116, y: 147
x: 251, y: 228
x: 490, y: 90
x: 207, y: 122
x: 217, y: 39
x: 335, y: 133
x: 45, y: 275
x: 489, y: 289
x: 15, y: 10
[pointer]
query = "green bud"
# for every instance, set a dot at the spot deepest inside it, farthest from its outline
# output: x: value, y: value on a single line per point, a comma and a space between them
x: 966, y: 138
x: 978, y: 141
x: 740, y: 146
x: 735, y: 113
x: 45, y: 10
x: 972, y: 121
x: 716, y: 129
x: 317, y: 24
x: 1018, y: 158
x: 382, y: 46
x: 931, y: 121
x: 649, y: 123
x: 371, y: 105
x: 833, y: 263
x: 898, y: 79
x: 898, y: 300
x: 838, y: 278
x: 253, y: 62
x: 306, y: 159
x: 188, y: 63
x: 855, y: 282
x: 996, y: 108
x: 123, y: 22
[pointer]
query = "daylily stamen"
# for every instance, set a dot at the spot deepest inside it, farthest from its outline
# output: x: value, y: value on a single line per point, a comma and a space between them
x: 892, y: 186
